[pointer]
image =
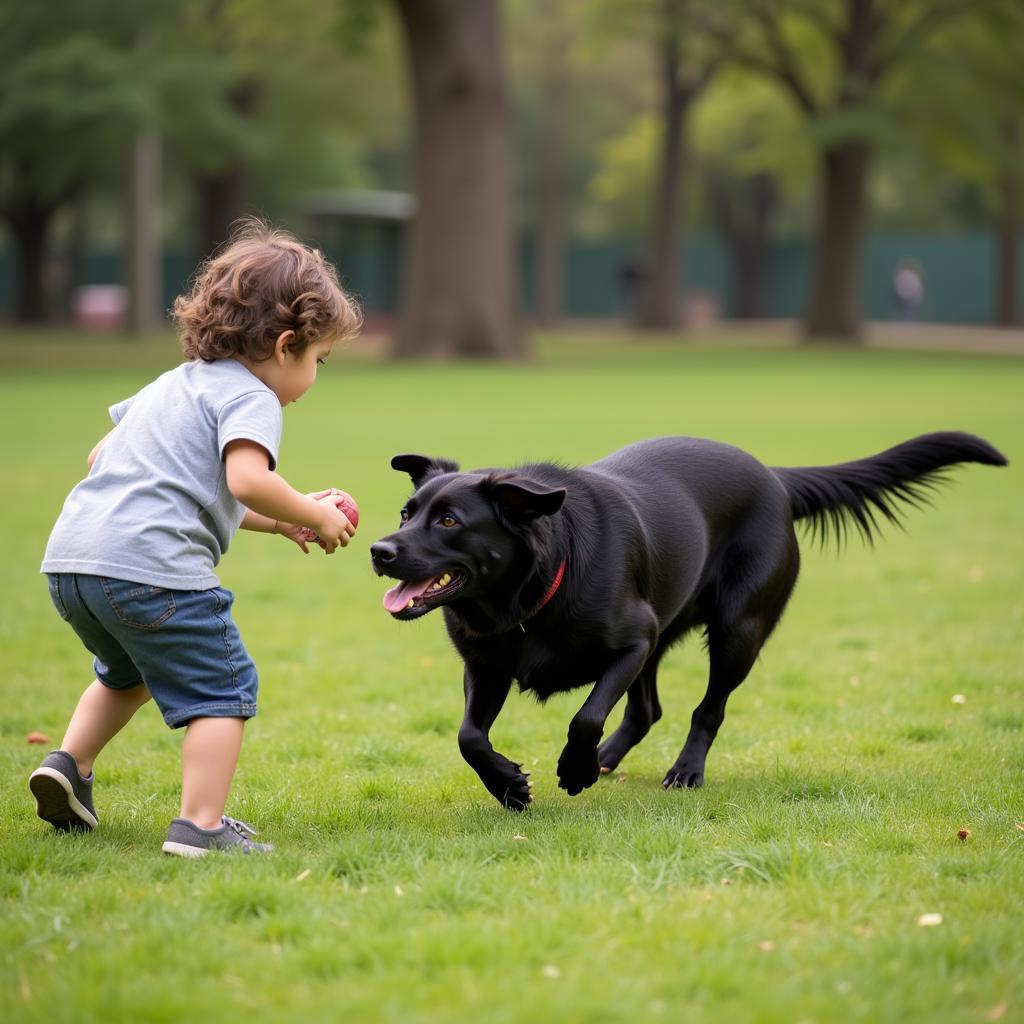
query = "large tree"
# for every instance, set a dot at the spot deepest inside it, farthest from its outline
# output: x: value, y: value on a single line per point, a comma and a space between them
x: 72, y: 93
x: 969, y: 115
x: 544, y: 71
x: 684, y: 69
x: 269, y: 99
x: 755, y: 167
x: 837, y: 60
x: 459, y: 285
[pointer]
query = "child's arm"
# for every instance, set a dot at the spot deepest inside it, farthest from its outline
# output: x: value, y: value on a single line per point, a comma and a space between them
x: 96, y: 450
x: 257, y: 523
x: 251, y: 480
x: 264, y: 524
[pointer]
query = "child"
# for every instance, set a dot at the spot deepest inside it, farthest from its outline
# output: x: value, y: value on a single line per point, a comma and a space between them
x: 130, y: 561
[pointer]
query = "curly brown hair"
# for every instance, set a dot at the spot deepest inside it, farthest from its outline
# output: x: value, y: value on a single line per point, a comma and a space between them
x: 264, y: 282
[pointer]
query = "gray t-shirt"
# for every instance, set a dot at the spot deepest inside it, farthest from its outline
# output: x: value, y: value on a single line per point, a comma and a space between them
x: 155, y: 507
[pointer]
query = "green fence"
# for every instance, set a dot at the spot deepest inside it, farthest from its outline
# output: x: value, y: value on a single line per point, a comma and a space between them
x: 959, y: 274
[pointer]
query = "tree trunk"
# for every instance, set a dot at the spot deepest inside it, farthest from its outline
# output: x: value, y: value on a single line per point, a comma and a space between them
x: 834, y: 311
x: 223, y: 197
x: 28, y: 215
x: 552, y: 206
x: 144, y: 251
x: 661, y: 300
x: 222, y: 200
x: 458, y: 288
x: 30, y: 227
x: 742, y: 212
x: 75, y: 256
x: 1007, y: 240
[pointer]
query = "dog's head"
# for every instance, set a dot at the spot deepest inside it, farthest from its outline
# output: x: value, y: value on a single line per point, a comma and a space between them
x: 462, y: 535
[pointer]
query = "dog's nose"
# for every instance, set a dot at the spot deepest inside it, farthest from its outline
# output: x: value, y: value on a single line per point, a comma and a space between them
x: 383, y: 552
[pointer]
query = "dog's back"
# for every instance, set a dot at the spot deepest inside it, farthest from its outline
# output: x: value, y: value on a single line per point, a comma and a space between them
x: 695, y: 497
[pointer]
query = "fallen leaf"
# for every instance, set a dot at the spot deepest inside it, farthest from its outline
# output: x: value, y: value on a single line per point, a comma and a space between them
x: 550, y: 971
x: 519, y: 837
x: 964, y: 834
x: 929, y: 920
x: 959, y: 698
x: 37, y: 737
x: 998, y: 1012
x: 766, y: 945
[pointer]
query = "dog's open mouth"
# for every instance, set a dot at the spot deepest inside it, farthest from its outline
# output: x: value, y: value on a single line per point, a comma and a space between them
x: 415, y: 597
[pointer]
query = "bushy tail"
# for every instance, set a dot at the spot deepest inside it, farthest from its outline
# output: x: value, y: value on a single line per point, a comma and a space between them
x: 831, y: 497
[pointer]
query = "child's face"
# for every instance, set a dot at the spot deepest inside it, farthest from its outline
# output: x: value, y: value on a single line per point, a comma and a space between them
x: 291, y: 376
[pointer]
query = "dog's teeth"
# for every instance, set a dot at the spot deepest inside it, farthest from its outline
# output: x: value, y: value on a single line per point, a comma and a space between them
x: 412, y: 601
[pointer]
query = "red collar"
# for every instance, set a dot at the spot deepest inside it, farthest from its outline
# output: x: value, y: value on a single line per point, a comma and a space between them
x: 556, y: 583
x: 551, y: 591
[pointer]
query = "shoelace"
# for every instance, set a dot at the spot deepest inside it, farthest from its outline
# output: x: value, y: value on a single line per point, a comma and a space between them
x: 242, y: 828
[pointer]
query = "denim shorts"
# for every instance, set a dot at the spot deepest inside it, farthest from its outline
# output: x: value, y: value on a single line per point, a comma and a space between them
x: 181, y: 643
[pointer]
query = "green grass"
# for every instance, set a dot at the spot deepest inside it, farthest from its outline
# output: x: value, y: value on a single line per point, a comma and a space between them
x: 788, y: 889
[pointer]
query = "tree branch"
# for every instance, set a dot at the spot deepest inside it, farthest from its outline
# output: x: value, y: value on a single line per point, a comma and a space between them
x: 814, y: 12
x: 781, y: 65
x: 928, y: 20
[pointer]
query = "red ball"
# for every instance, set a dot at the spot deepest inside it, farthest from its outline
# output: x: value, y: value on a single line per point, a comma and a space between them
x: 347, y: 504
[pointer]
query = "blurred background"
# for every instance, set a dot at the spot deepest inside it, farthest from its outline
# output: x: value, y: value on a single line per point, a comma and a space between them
x: 478, y: 167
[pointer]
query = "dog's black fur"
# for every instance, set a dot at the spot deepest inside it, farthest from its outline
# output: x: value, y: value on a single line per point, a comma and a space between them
x: 657, y: 539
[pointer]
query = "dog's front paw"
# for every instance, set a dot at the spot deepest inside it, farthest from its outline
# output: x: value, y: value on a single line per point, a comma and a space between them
x: 510, y: 786
x: 684, y: 776
x: 578, y: 769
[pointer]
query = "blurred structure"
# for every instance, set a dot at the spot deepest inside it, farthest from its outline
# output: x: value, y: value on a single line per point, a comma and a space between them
x: 364, y: 232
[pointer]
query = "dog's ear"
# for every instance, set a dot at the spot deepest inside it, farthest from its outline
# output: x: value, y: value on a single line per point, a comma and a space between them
x: 420, y: 467
x: 525, y: 499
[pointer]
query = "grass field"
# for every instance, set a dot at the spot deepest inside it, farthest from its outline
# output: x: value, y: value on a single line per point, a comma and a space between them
x: 789, y: 889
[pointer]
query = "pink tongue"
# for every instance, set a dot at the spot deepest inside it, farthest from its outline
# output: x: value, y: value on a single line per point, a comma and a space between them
x: 399, y: 596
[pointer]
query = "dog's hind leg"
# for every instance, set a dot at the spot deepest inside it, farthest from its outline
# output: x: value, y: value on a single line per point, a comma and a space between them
x: 642, y: 710
x: 743, y: 617
x: 732, y: 654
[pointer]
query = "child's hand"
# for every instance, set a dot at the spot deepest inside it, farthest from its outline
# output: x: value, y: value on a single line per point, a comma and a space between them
x: 301, y: 535
x: 334, y: 528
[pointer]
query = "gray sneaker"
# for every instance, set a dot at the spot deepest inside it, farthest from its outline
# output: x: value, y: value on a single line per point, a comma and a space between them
x: 63, y: 797
x: 186, y: 839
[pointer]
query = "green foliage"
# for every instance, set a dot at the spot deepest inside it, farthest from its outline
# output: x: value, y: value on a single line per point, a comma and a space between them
x: 73, y: 89
x: 968, y: 102
x: 789, y: 888
x: 299, y: 92
x: 281, y: 88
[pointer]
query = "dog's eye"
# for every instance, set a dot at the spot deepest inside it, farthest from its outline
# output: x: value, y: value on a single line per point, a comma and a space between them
x: 404, y: 515
x: 448, y: 520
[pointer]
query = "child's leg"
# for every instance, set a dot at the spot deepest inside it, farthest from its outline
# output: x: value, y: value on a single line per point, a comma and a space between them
x: 100, y: 715
x: 208, y: 758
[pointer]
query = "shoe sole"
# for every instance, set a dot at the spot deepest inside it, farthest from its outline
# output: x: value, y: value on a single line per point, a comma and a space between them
x: 184, y: 850
x: 57, y: 804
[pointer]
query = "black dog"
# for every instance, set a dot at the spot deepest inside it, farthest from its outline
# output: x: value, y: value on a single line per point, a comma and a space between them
x: 559, y: 577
